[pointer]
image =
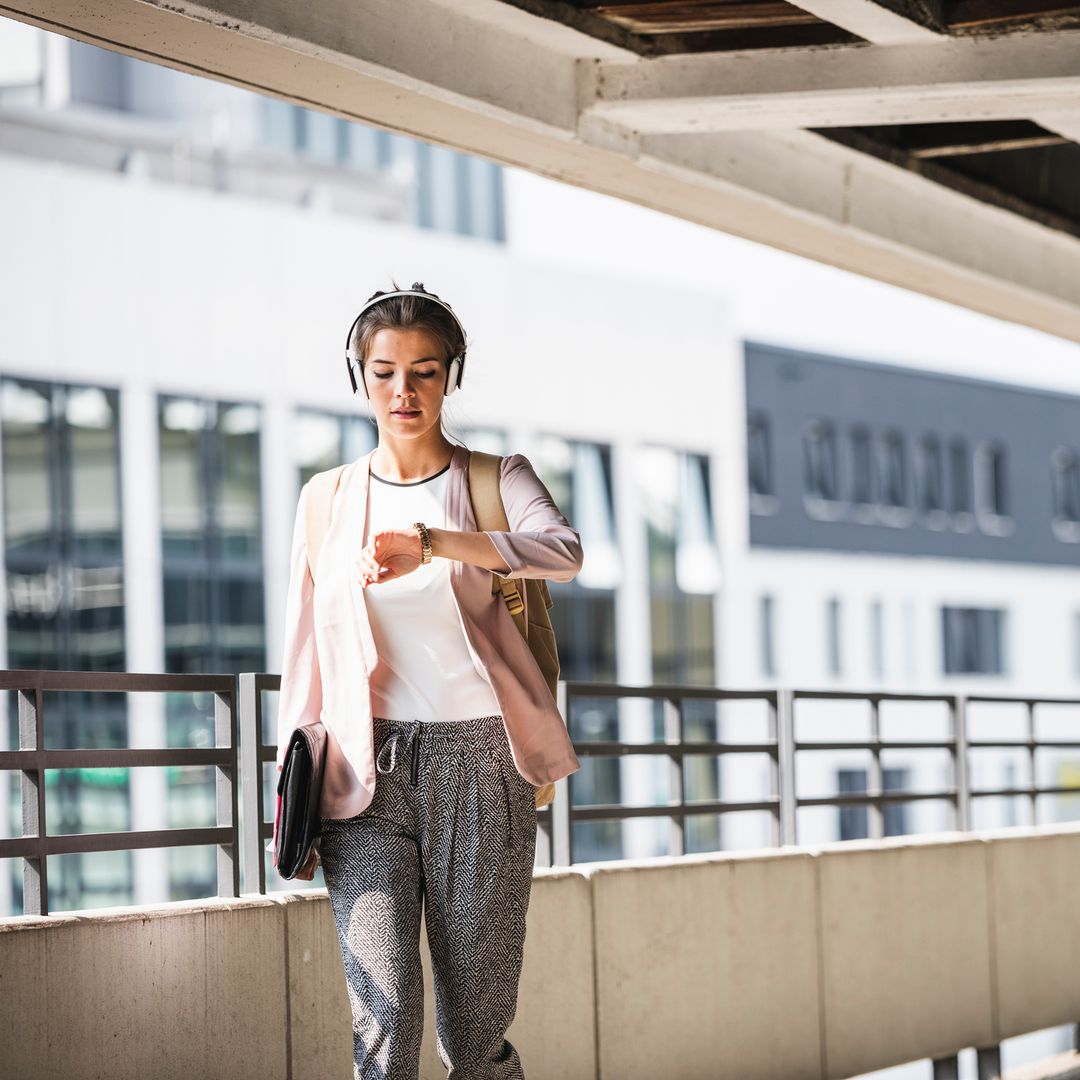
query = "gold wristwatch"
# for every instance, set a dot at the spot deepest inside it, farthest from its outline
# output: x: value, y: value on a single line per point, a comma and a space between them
x: 425, y: 541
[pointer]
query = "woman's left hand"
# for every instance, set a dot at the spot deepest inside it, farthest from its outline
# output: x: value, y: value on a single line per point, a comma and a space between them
x: 389, y: 554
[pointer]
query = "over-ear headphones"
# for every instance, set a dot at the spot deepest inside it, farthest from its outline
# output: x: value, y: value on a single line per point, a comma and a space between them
x: 455, y: 370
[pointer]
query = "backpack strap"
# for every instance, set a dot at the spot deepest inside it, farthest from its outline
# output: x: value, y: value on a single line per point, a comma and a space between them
x: 490, y: 516
x: 321, y: 489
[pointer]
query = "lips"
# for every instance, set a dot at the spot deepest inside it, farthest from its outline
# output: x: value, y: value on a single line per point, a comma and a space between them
x: 406, y: 412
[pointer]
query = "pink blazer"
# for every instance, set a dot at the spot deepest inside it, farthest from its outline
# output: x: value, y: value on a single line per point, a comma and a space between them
x: 329, y: 651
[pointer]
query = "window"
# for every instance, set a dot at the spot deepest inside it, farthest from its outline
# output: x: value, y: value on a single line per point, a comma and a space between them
x: 759, y: 462
x: 832, y: 636
x: 1065, y: 493
x: 862, y: 473
x: 972, y: 641
x: 990, y: 482
x: 929, y: 481
x: 683, y: 565
x: 893, y: 466
x: 578, y: 476
x: 819, y: 458
x: 323, y: 440
x: 959, y: 477
x: 64, y: 568
x: 854, y: 821
x: 211, y: 535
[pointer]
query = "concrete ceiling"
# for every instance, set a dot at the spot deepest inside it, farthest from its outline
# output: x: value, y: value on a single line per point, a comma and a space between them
x: 927, y: 143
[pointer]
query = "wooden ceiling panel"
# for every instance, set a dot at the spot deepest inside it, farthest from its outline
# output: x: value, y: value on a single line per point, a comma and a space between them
x: 664, y: 27
x: 691, y: 16
x: 667, y: 27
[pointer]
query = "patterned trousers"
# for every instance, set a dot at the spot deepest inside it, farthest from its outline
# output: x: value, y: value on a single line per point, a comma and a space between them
x: 452, y: 827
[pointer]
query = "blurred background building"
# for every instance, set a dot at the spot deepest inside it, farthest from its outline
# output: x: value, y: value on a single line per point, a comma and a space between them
x: 766, y: 494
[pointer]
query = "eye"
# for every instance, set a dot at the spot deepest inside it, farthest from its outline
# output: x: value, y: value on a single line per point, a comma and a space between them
x: 426, y: 374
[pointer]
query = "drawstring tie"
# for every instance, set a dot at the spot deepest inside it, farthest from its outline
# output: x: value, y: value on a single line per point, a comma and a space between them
x: 391, y: 745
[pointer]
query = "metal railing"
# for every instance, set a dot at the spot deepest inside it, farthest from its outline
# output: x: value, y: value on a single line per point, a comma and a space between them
x: 240, y: 755
x: 32, y: 759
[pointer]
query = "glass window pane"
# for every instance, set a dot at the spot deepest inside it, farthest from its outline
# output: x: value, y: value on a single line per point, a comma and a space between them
x: 238, y: 491
x: 29, y: 495
x: 184, y: 509
x: 92, y: 428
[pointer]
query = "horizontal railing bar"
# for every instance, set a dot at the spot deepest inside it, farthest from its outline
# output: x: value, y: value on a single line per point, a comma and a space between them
x: 664, y: 691
x: 869, y: 695
x: 1026, y: 792
x: 1025, y: 744
x: 607, y: 811
x: 103, y: 681
x: 863, y: 799
x: 882, y: 744
x: 73, y: 843
x: 1005, y: 699
x: 615, y: 748
x: 114, y: 757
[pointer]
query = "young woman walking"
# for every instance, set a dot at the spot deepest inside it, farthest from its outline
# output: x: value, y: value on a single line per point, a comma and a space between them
x: 424, y: 682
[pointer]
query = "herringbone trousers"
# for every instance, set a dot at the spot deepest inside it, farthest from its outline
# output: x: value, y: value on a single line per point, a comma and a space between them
x: 452, y: 829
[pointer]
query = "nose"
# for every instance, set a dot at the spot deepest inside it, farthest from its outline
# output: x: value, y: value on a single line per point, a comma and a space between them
x: 405, y: 387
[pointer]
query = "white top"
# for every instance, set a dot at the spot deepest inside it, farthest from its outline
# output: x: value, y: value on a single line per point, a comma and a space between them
x: 425, y: 670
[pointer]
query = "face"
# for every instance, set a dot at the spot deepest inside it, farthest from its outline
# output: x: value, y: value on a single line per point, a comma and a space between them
x: 405, y: 374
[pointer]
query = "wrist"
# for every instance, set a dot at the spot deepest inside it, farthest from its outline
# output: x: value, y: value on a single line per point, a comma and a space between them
x: 435, y: 537
x: 423, y: 538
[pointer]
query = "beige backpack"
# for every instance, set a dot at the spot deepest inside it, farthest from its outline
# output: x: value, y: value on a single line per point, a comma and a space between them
x: 529, y: 611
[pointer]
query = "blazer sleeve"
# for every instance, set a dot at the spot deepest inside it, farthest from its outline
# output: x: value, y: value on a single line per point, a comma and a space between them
x: 300, y: 697
x: 541, y: 542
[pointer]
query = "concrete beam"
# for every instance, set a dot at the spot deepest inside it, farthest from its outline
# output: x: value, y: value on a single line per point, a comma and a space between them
x: 493, y: 89
x: 1004, y: 78
x: 1066, y: 124
x: 871, y: 21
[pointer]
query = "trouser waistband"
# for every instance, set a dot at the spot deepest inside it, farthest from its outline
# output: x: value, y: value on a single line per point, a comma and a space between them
x: 446, y: 734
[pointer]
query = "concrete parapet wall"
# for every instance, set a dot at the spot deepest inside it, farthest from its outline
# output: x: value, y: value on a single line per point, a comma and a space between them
x: 801, y: 964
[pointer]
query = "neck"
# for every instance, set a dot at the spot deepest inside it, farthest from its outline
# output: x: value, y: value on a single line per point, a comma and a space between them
x: 404, y: 460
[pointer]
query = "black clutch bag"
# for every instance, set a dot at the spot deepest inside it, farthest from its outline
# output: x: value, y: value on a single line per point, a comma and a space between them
x: 299, y: 789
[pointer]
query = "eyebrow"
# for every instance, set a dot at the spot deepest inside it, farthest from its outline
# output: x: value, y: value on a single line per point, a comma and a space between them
x: 422, y: 360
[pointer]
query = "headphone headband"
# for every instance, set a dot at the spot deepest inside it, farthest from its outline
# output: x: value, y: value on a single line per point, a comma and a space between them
x: 401, y: 292
x: 457, y: 361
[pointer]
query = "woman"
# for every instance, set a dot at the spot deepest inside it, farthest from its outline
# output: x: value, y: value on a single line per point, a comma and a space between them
x: 424, y: 682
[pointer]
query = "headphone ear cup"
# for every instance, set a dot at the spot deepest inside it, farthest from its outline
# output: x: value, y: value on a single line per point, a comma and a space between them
x: 453, y: 373
x: 363, y: 381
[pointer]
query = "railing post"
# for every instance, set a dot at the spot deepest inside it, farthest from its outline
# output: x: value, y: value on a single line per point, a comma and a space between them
x: 875, y: 811
x: 228, y: 810
x: 1033, y: 789
x: 562, y: 852
x: 785, y: 776
x: 32, y: 737
x: 673, y: 735
x: 962, y: 806
x: 249, y: 723
x: 988, y: 1062
x: 947, y: 1068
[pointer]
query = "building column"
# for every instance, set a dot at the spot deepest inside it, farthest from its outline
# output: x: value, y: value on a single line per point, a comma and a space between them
x: 633, y: 650
x: 144, y: 629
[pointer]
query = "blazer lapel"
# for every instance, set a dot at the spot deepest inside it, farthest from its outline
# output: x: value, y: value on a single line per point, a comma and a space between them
x: 354, y: 520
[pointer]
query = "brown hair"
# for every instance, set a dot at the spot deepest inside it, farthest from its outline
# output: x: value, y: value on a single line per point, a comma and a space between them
x: 408, y: 313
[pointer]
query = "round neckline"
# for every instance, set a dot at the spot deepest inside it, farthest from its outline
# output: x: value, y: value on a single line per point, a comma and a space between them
x: 410, y: 483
